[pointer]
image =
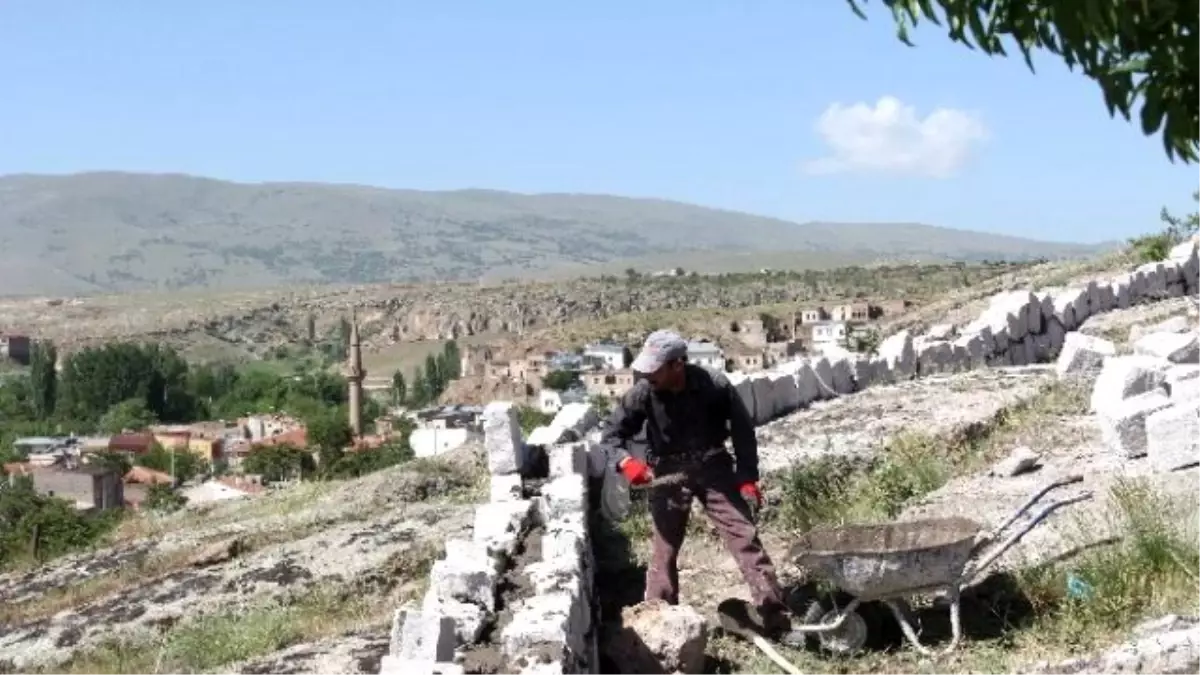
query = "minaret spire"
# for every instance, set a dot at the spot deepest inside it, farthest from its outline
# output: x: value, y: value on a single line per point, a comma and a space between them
x: 354, y: 376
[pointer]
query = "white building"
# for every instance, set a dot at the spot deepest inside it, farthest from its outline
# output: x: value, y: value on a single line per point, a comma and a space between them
x: 829, y: 333
x: 605, y: 355
x: 706, y: 354
x: 432, y: 441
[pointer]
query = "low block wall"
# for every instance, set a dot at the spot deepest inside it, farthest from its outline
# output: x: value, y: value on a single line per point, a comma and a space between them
x: 516, y: 597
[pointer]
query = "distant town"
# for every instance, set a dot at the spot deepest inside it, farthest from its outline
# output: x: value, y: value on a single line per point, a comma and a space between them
x: 230, y: 453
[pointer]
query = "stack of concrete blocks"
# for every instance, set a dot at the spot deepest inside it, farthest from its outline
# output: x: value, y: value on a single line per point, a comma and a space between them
x: 552, y: 630
x: 1018, y: 328
x: 462, y: 594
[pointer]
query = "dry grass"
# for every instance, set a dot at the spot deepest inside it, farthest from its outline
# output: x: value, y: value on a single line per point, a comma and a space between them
x: 218, y: 640
x: 1149, y: 574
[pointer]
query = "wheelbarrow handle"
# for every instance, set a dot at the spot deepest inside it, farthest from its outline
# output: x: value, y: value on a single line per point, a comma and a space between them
x: 1033, y: 499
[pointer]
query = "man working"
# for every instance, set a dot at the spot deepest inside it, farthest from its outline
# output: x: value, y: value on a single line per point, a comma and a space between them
x: 688, y: 412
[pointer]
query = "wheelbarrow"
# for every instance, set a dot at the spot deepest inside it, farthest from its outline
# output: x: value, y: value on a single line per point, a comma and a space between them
x: 894, y: 561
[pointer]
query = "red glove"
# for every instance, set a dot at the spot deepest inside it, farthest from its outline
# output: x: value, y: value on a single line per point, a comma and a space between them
x: 752, y: 494
x: 636, y: 471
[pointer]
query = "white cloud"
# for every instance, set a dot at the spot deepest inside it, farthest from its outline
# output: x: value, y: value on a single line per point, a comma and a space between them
x: 891, y: 138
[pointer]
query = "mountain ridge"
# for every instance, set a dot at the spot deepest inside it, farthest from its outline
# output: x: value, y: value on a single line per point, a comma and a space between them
x: 116, y: 231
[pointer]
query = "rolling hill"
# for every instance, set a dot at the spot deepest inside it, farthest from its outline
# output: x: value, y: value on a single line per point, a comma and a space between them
x: 115, y: 232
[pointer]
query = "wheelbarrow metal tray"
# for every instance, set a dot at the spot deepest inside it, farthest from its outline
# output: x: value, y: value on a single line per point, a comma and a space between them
x: 893, y: 559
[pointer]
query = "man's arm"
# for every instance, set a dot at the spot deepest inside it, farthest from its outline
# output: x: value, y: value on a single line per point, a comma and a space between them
x: 626, y: 420
x: 741, y: 434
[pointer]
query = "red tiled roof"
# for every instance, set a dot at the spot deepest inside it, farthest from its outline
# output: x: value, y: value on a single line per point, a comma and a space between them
x: 297, y: 437
x: 141, y: 474
x: 136, y: 443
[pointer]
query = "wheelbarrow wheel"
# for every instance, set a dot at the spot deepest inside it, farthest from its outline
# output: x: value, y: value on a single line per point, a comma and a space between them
x: 848, y: 638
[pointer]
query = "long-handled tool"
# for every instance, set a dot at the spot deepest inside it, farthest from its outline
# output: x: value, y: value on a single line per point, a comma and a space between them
x: 615, y: 499
x: 735, y: 618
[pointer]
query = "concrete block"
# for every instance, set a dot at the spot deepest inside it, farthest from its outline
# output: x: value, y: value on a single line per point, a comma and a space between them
x: 1029, y: 343
x: 577, y: 417
x: 563, y: 495
x: 1120, y: 290
x: 933, y: 356
x: 566, y: 537
x: 1174, y: 347
x: 1064, y: 308
x: 1015, y: 306
x: 1124, y: 377
x: 469, y: 619
x: 881, y: 371
x: 427, y: 637
x: 960, y: 357
x: 785, y: 392
x: 546, y: 436
x: 499, y: 526
x: 466, y: 574
x: 554, y: 623
x: 1082, y: 304
x: 808, y: 388
x: 1050, y: 343
x: 977, y: 346
x: 1082, y: 356
x: 764, y: 399
x: 1182, y: 380
x: 897, y: 352
x: 824, y: 372
x: 507, y: 488
x: 864, y: 372
x: 942, y: 331
x: 568, y: 459
x: 842, y: 369
x: 745, y: 389
x: 1155, y: 275
x: 1173, y: 436
x: 1123, y: 427
x: 506, y: 452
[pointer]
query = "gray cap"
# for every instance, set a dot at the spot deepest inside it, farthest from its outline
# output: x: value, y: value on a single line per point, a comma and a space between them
x: 660, y: 347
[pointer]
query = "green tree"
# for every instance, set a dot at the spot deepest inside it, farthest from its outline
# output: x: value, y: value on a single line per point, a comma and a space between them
x: 560, y: 380
x: 330, y: 434
x: 37, y: 527
x: 531, y: 418
x: 43, y: 378
x: 97, y: 378
x: 452, y: 361
x: 128, y: 415
x: 1155, y: 247
x: 181, y: 464
x: 310, y: 327
x: 433, y: 376
x: 115, y: 460
x: 399, y: 388
x: 279, y: 462
x: 420, y: 388
x: 162, y: 498
x: 1144, y: 50
x: 602, y: 405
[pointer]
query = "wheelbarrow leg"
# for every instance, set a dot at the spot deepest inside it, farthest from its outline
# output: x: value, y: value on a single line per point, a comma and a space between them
x: 911, y: 635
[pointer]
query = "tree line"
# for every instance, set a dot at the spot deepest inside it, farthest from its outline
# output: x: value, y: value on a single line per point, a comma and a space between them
x: 428, y: 382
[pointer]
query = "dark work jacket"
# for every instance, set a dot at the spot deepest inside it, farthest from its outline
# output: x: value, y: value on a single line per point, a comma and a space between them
x: 701, y: 417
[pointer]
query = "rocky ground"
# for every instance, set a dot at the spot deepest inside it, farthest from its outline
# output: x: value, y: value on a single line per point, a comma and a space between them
x: 310, y: 562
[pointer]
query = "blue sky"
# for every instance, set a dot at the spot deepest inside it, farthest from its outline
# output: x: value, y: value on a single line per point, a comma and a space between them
x: 724, y: 104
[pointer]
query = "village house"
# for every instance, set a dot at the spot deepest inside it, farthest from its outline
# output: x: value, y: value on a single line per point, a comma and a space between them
x: 778, y: 352
x: 705, y: 353
x: 854, y: 311
x: 87, y: 487
x: 605, y: 355
x: 745, y: 360
x: 529, y: 370
x: 751, y: 333
x: 610, y: 384
x: 138, y: 443
x: 893, y: 307
x: 813, y: 314
x: 827, y: 333
x: 497, y: 370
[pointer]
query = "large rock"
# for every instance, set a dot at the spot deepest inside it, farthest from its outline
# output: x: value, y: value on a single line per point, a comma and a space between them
x: 977, y: 348
x: 933, y: 356
x: 1082, y: 356
x: 764, y: 397
x: 1173, y: 436
x: 655, y: 637
x: 824, y: 373
x: 578, y: 418
x: 1124, y: 377
x: 1064, y: 308
x: 806, y: 383
x: 1049, y: 344
x: 745, y: 389
x: 1122, y: 298
x: 843, y: 373
x: 785, y: 392
x: 1174, y: 347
